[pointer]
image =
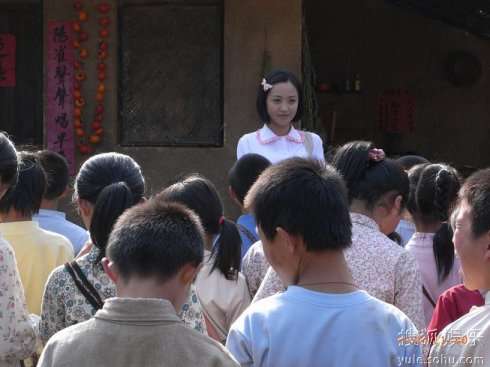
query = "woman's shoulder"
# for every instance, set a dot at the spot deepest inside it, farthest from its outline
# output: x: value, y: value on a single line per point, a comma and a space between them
x: 247, y: 143
x: 313, y: 136
x: 248, y: 136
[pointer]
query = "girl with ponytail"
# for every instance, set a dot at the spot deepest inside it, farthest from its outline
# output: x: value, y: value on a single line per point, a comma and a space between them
x: 221, y: 288
x: 106, y: 185
x: 433, y: 194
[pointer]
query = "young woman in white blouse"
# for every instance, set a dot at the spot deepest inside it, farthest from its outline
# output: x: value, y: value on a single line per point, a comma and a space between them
x: 279, y: 105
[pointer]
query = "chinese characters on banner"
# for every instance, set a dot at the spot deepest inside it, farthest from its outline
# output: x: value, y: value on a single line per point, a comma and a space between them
x: 396, y: 111
x: 7, y: 60
x: 59, y: 114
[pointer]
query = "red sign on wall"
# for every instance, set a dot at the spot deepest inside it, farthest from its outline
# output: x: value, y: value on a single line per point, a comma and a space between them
x: 7, y: 60
x: 396, y: 111
x: 59, y: 112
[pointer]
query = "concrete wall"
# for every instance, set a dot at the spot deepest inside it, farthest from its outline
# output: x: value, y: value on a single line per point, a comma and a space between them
x: 245, y: 23
x: 394, y: 48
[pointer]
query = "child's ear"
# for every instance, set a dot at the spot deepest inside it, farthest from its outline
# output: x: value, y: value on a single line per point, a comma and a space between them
x: 65, y: 193
x: 234, y: 197
x: 188, y: 273
x: 487, y: 249
x: 291, y: 243
x: 398, y: 203
x: 85, y: 207
x: 110, y: 269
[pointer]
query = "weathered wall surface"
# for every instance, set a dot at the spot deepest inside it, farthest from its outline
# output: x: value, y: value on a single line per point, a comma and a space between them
x: 394, y: 48
x: 245, y: 24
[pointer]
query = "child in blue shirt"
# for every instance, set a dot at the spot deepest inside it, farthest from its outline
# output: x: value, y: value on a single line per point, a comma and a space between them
x: 322, y: 319
x: 241, y: 177
x: 49, y: 217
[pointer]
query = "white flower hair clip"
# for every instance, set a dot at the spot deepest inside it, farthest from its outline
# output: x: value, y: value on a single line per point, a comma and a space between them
x: 266, y: 86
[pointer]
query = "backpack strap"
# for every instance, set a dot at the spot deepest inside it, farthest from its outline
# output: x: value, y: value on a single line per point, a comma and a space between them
x: 84, y: 286
x: 250, y: 236
x: 427, y: 295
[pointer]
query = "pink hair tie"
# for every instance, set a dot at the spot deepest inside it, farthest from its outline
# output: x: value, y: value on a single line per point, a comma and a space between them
x: 221, y: 220
x: 376, y: 155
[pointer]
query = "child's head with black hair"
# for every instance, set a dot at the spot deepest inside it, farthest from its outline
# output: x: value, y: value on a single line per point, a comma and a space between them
x: 378, y: 187
x: 24, y: 199
x: 433, y: 195
x: 106, y: 185
x: 472, y: 230
x: 244, y: 173
x: 303, y: 202
x: 200, y: 195
x: 156, y: 243
x: 409, y: 161
x: 280, y: 99
x: 8, y: 164
x: 56, y: 168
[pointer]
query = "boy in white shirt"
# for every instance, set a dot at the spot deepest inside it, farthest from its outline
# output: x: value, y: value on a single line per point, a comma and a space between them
x: 322, y: 319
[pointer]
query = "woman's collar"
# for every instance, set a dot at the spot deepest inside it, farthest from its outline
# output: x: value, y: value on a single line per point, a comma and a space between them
x: 265, y: 135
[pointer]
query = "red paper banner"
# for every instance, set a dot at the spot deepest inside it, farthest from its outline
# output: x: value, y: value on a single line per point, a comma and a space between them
x: 396, y: 111
x: 7, y: 60
x: 59, y: 113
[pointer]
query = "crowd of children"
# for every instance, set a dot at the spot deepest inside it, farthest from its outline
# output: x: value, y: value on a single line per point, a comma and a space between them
x: 308, y: 276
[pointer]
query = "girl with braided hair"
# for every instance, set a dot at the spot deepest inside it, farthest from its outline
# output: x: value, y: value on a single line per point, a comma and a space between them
x: 433, y: 194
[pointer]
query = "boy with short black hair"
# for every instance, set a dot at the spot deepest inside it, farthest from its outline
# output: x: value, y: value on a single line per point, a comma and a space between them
x: 49, y: 217
x: 37, y: 251
x: 153, y: 255
x: 467, y: 340
x: 241, y: 177
x: 303, y: 217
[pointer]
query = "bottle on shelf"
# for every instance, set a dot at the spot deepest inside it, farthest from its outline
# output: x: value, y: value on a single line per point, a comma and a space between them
x: 357, y: 83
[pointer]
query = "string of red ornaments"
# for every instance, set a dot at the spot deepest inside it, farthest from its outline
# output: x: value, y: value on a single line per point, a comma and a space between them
x: 89, y: 138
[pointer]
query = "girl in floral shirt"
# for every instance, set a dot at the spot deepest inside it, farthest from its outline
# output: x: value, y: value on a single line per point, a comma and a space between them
x: 105, y: 187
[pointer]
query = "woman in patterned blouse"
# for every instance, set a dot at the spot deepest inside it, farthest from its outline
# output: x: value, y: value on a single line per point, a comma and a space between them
x: 378, y: 191
x: 17, y: 332
x: 105, y: 187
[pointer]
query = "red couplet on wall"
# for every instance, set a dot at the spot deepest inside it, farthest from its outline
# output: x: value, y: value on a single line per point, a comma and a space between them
x: 7, y: 60
x: 59, y: 111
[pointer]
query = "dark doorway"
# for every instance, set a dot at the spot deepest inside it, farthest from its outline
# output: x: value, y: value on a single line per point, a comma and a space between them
x: 21, y: 105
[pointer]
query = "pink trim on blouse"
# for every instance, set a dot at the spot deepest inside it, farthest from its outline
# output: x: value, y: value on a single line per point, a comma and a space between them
x: 275, y: 138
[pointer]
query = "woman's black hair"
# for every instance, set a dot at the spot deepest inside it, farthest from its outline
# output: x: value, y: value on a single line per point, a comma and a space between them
x: 368, y: 179
x: 275, y: 77
x: 200, y: 195
x: 433, y: 195
x: 112, y: 182
x: 8, y: 161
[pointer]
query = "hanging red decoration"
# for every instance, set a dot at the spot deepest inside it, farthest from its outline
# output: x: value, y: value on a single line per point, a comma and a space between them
x: 103, y: 8
x: 89, y: 138
x: 83, y: 16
